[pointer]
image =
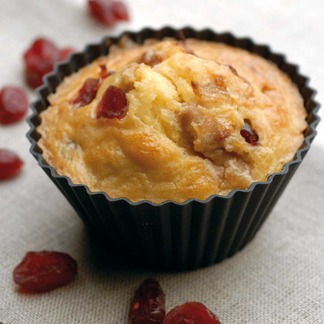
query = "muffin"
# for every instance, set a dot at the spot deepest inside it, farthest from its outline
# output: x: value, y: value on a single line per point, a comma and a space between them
x: 173, y: 149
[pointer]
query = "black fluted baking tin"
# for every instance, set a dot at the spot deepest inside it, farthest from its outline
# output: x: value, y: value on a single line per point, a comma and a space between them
x: 178, y: 236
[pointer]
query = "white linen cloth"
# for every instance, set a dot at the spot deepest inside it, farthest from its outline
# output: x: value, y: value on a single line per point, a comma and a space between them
x: 277, y: 278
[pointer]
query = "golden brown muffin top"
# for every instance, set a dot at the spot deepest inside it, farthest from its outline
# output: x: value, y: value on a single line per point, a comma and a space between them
x: 200, y: 118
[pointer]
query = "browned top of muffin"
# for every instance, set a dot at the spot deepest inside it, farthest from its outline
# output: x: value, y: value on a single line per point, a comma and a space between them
x: 173, y: 120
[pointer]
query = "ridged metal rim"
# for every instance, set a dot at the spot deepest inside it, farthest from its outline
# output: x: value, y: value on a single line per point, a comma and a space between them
x: 93, y: 51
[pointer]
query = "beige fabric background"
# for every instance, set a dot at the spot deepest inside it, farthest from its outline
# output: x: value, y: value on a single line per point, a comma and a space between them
x: 278, y: 278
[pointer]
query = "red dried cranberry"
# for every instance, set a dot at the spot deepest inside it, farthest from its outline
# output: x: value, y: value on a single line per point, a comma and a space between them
x: 44, y: 271
x: 148, y: 304
x: 249, y: 134
x: 87, y: 92
x: 108, y: 12
x: 13, y: 105
x: 40, y: 58
x: 10, y: 164
x: 113, y: 104
x: 104, y: 73
x: 191, y: 312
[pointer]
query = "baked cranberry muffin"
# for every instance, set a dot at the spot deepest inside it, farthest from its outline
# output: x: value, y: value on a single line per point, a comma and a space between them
x: 174, y: 145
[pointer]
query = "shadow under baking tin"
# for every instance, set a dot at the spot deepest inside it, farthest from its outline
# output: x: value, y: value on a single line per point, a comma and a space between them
x: 177, y: 236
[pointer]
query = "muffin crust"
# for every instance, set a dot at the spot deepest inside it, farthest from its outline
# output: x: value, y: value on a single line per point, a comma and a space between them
x: 181, y: 138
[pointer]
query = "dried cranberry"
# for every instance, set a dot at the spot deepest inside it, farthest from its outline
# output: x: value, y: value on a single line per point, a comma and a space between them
x: 13, y: 105
x: 10, y: 164
x: 87, y: 92
x: 113, y: 104
x: 249, y: 134
x: 44, y: 271
x: 40, y: 58
x: 104, y: 73
x: 148, y: 304
x: 108, y: 12
x: 191, y: 312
